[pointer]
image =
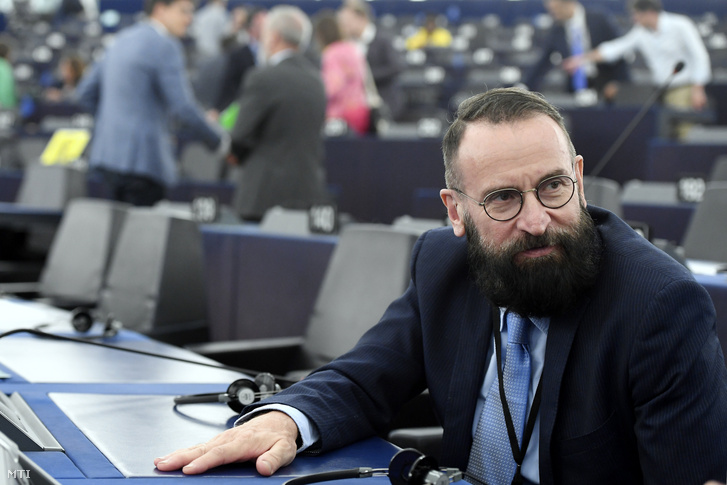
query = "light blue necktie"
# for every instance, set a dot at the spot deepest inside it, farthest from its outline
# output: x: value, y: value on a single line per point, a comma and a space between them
x: 491, y: 460
x: 578, y: 79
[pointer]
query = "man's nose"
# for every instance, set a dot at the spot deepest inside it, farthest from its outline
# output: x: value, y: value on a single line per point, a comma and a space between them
x: 533, y: 217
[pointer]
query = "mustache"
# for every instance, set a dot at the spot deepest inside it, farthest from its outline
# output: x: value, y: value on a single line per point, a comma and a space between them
x: 552, y: 237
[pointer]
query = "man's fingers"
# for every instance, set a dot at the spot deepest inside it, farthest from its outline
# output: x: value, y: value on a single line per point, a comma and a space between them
x: 280, y: 454
x: 180, y: 458
x: 269, y: 438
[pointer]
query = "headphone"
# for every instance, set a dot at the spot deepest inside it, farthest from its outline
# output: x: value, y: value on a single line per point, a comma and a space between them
x: 82, y: 320
x: 239, y: 394
x: 407, y: 467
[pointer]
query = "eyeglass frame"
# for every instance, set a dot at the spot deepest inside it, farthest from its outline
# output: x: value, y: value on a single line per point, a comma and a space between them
x: 522, y: 198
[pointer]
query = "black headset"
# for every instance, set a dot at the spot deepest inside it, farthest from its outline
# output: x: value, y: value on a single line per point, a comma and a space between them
x: 407, y: 467
x: 239, y: 394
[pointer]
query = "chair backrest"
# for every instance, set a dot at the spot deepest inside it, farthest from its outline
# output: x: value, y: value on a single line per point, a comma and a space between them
x: 197, y: 162
x: 603, y: 192
x: 51, y: 186
x: 285, y: 221
x: 706, y: 235
x: 156, y: 283
x: 719, y: 170
x: 368, y: 270
x: 79, y: 257
x: 638, y: 191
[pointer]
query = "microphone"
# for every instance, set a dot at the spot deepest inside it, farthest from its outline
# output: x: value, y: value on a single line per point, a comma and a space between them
x: 655, y: 95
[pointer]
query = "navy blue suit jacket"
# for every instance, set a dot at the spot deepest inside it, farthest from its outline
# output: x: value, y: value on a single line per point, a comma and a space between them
x: 634, y: 379
x: 601, y: 28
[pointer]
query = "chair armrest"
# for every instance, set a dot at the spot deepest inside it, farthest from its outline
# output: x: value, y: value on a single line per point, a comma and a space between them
x: 30, y: 288
x: 274, y: 355
x: 427, y: 440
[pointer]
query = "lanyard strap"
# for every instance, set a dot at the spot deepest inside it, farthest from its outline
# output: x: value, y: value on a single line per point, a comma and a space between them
x: 518, y: 453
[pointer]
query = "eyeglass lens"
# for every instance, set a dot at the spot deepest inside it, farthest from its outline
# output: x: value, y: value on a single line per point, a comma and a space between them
x: 553, y: 193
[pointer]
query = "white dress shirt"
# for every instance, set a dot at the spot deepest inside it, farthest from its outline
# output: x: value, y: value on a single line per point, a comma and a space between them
x: 676, y: 39
x: 577, y: 23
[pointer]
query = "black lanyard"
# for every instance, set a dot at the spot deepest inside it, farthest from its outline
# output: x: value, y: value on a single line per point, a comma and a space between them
x: 518, y: 453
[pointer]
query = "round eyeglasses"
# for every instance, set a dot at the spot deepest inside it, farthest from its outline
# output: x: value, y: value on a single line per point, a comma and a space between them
x: 505, y: 204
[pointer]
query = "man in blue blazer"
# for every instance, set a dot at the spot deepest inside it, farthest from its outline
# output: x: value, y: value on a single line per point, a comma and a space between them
x: 626, y: 378
x: 135, y: 92
x: 593, y: 27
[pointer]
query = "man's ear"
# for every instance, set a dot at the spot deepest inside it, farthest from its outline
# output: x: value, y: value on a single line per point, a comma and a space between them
x: 579, y: 178
x: 449, y: 199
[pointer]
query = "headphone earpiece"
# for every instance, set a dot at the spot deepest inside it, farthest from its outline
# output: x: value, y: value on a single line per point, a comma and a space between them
x: 239, y: 394
x: 82, y: 320
x: 407, y: 467
x: 411, y: 467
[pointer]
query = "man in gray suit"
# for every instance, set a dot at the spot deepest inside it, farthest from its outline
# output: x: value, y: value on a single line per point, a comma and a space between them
x: 277, y: 136
x: 134, y: 92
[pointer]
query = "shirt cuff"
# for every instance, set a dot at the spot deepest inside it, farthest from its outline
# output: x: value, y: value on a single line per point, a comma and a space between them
x: 307, y: 431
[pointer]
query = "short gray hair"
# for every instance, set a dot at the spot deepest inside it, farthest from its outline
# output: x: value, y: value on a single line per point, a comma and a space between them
x: 292, y: 24
x: 502, y: 105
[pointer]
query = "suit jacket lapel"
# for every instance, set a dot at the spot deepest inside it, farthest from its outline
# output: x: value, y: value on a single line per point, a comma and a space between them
x: 466, y: 381
x: 561, y: 333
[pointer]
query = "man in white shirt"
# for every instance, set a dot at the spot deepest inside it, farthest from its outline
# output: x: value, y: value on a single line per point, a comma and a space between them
x: 664, y: 40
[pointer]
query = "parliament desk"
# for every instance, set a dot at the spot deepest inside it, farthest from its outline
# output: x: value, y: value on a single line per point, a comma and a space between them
x: 112, y: 412
x: 669, y: 161
x: 20, y: 215
x: 260, y: 284
x: 666, y: 221
x: 264, y: 285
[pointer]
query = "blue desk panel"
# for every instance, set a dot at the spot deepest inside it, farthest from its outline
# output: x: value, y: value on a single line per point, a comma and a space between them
x: 20, y: 215
x: 716, y: 285
x: 667, y: 221
x: 259, y: 284
x: 113, y: 412
x: 669, y: 161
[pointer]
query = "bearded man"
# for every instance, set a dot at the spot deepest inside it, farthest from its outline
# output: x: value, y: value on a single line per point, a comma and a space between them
x: 558, y: 346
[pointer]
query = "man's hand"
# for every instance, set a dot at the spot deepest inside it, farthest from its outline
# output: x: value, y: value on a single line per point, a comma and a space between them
x: 570, y: 64
x: 698, y: 97
x: 269, y: 439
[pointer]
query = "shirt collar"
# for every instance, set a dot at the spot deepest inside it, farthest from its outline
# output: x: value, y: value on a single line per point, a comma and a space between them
x: 541, y: 323
x: 159, y: 27
x: 578, y: 19
x: 279, y: 57
x: 368, y: 34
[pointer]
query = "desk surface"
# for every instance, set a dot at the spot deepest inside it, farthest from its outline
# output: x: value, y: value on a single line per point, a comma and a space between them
x: 113, y: 412
x: 11, y: 213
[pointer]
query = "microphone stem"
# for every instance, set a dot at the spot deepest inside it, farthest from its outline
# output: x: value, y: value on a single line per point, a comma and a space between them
x: 630, y: 127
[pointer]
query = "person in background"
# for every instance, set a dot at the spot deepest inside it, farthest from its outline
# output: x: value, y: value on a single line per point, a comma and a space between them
x: 70, y: 73
x: 356, y: 21
x: 277, y: 136
x: 430, y: 35
x: 240, y: 58
x: 344, y: 72
x: 211, y: 25
x: 557, y: 344
x: 664, y: 39
x: 134, y: 92
x: 575, y: 29
x: 8, y: 99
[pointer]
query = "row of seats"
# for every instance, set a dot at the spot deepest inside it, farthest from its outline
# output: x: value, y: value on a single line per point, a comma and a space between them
x: 704, y: 231
x: 142, y: 266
